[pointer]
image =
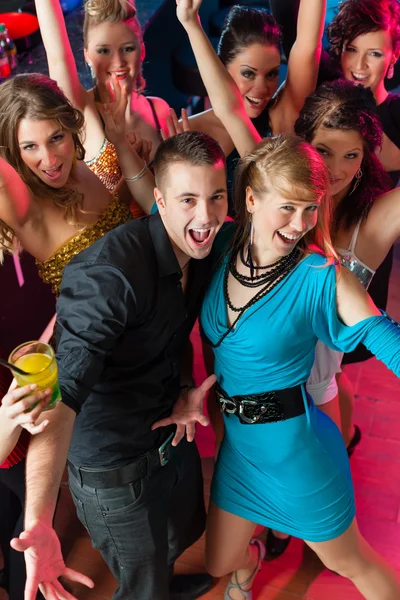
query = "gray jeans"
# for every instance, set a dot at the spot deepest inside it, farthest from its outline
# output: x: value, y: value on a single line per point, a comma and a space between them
x: 142, y: 528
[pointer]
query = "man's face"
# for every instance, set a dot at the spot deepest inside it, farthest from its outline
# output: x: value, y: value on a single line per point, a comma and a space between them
x: 193, y: 206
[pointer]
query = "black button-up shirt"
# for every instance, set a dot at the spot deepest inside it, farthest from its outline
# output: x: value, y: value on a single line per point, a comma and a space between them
x: 123, y: 325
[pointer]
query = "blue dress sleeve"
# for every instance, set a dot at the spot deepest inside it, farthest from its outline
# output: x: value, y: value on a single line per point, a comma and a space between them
x: 380, y: 334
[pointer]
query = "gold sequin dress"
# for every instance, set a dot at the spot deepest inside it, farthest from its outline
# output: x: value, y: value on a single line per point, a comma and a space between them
x: 51, y: 270
x: 106, y: 166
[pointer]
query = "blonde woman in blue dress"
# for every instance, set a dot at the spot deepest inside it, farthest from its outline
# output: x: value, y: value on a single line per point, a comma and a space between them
x: 276, y: 291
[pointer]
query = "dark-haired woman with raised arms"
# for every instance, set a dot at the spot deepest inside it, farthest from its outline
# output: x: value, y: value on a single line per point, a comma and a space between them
x: 249, y: 48
x: 364, y: 46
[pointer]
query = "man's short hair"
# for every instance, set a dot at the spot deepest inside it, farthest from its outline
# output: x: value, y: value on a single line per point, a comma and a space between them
x: 193, y: 147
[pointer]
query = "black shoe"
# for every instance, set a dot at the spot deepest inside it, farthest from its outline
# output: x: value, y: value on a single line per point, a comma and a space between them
x: 355, y: 440
x: 190, y: 586
x: 276, y: 546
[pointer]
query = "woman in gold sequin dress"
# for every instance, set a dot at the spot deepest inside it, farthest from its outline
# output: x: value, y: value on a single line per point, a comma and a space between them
x: 55, y: 207
x: 114, y: 50
x: 50, y: 201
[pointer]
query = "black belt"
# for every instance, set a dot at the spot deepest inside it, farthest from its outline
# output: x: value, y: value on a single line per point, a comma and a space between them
x: 144, y: 466
x: 266, y: 407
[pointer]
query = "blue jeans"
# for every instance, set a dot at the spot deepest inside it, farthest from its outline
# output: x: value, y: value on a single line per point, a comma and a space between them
x: 142, y: 528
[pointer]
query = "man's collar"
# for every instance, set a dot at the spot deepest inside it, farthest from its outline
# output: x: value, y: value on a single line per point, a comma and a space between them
x: 166, y: 258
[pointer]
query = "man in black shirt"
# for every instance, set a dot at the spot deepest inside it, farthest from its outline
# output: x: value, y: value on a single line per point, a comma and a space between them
x: 126, y: 309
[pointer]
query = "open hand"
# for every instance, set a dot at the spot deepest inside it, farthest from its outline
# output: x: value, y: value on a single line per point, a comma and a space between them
x: 187, y: 411
x: 174, y: 126
x: 114, y: 111
x: 45, y: 564
x: 187, y: 11
x: 16, y: 404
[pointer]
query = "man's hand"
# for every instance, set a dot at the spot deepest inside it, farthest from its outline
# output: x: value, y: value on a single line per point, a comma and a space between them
x: 45, y: 564
x: 188, y: 411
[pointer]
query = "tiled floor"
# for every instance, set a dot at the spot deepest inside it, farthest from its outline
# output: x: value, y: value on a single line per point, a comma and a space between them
x: 298, y: 573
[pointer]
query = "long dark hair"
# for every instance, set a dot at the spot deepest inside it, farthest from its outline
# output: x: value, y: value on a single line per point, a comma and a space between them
x: 245, y: 26
x: 358, y: 17
x: 345, y: 106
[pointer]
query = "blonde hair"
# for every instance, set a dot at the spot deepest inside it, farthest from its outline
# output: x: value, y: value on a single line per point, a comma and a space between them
x: 35, y: 96
x: 294, y: 169
x: 113, y: 11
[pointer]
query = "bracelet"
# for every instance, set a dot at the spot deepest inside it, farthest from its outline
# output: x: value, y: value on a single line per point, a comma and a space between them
x: 139, y: 175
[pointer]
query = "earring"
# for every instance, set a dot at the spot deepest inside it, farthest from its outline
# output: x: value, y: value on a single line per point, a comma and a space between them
x: 251, y: 240
x: 390, y: 72
x: 357, y: 179
x: 251, y: 229
x: 92, y: 73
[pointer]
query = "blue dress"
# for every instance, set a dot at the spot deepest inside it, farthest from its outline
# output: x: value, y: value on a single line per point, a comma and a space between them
x: 292, y: 475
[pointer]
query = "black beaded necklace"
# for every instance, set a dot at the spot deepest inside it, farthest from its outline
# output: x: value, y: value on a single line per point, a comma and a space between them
x: 266, y: 281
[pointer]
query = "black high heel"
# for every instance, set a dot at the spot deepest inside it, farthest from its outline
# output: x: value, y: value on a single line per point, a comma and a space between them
x: 355, y: 440
x: 276, y: 546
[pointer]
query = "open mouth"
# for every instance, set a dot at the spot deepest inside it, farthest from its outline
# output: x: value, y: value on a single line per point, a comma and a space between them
x: 289, y: 238
x: 255, y: 102
x: 358, y: 77
x: 121, y: 75
x: 200, y: 237
x: 53, y: 173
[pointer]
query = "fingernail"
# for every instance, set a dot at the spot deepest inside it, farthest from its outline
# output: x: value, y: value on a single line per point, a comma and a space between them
x: 33, y: 386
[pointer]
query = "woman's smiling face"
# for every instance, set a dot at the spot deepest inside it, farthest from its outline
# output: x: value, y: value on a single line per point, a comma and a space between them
x: 366, y: 59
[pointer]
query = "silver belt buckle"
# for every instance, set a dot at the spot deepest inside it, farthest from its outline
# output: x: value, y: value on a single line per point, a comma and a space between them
x: 227, y: 405
x: 243, y: 416
x: 163, y: 451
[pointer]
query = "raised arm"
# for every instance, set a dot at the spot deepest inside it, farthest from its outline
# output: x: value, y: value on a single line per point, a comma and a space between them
x: 139, y: 179
x: 16, y: 202
x: 382, y: 227
x: 60, y: 58
x: 223, y: 93
x: 303, y: 63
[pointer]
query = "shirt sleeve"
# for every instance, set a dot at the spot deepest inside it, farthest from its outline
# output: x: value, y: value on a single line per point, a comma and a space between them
x: 380, y: 334
x: 322, y: 384
x: 92, y: 313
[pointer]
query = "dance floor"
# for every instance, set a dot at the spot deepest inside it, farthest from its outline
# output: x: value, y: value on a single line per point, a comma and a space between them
x: 298, y: 573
